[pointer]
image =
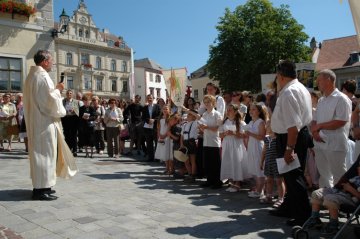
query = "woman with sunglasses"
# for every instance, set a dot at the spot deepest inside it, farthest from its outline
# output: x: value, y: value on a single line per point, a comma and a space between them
x: 247, y: 100
x: 236, y: 100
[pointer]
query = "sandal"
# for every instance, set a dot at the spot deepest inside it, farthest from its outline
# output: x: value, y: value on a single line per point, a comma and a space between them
x: 278, y: 203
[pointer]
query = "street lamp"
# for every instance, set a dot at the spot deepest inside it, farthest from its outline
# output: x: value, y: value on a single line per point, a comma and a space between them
x: 64, y: 22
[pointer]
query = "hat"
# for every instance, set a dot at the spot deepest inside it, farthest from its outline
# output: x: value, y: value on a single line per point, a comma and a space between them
x: 180, y: 155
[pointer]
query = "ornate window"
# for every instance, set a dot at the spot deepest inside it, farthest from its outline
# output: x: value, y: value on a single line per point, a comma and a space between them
x: 87, y: 82
x: 152, y: 91
x: 196, y: 94
x: 69, y: 59
x: 158, y: 92
x: 113, y: 65
x: 70, y: 82
x: 85, y: 58
x: 99, y: 83
x: 125, y: 86
x: 87, y: 35
x: 124, y: 66
x: 98, y: 62
x: 10, y: 74
x: 113, y: 85
x: 80, y: 33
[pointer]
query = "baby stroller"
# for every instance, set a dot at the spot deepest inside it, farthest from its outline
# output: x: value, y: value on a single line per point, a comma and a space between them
x: 299, y: 232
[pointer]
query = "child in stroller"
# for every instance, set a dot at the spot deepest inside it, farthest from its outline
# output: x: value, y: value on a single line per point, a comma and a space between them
x: 345, y: 192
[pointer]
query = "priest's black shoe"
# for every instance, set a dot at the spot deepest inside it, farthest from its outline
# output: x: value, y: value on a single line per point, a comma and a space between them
x: 50, y: 191
x: 43, y: 197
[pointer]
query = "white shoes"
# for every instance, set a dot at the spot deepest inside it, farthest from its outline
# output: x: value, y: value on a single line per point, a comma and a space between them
x: 254, y: 194
x: 233, y: 190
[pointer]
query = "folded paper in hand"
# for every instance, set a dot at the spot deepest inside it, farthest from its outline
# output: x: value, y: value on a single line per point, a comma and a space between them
x: 246, y: 127
x: 202, y: 121
x: 3, y: 114
x: 283, y: 167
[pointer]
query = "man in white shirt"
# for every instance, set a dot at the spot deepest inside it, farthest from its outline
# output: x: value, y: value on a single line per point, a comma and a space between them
x: 330, y: 128
x: 292, y: 113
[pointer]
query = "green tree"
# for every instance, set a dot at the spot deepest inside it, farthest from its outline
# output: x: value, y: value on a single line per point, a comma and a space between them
x: 250, y: 42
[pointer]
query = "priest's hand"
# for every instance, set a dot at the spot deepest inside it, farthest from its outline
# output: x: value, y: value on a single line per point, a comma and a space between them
x: 60, y: 86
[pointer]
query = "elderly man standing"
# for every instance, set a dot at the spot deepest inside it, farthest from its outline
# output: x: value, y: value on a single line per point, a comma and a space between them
x: 292, y: 114
x: 48, y: 152
x: 330, y: 129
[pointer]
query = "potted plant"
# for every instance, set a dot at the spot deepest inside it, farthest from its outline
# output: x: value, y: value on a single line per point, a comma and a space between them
x: 16, y: 8
x: 87, y: 65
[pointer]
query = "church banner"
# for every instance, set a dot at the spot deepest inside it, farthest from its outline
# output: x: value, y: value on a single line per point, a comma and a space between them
x: 175, y: 80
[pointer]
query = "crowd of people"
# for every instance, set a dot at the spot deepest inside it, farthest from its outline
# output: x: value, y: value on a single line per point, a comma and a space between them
x: 233, y: 138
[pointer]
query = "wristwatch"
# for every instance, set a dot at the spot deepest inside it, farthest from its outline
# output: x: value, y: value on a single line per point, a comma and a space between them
x: 288, y: 147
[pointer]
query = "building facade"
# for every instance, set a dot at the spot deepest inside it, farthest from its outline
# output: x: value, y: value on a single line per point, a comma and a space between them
x: 198, y: 80
x: 342, y: 55
x: 16, y: 54
x: 93, y: 61
x: 149, y: 79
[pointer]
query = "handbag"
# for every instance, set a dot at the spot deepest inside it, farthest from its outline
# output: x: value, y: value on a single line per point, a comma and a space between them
x: 12, y: 128
x: 121, y: 127
x: 180, y: 155
x: 125, y: 132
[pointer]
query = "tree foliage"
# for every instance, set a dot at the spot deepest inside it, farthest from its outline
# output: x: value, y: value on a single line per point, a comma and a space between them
x: 251, y: 40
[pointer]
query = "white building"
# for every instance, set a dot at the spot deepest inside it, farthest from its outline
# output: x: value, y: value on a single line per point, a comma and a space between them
x: 93, y: 62
x: 199, y: 79
x: 149, y: 79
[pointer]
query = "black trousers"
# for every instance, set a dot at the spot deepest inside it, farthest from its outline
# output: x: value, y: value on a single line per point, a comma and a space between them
x: 99, y: 140
x: 296, y: 200
x: 70, y: 125
x: 199, y: 158
x: 150, y: 140
x: 212, y: 163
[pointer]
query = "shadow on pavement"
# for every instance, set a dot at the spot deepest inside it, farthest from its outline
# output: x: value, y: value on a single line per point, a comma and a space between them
x: 14, y: 154
x: 256, y: 219
x: 242, y: 225
x: 110, y: 176
x: 15, y: 195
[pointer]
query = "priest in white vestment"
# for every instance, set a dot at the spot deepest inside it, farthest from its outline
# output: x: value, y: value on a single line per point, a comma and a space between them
x: 48, y: 152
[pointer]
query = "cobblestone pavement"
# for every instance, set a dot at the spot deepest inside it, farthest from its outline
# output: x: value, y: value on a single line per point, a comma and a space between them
x: 126, y: 198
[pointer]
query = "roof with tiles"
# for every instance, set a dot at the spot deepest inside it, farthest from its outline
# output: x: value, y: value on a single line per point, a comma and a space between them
x: 147, y: 63
x: 335, y: 53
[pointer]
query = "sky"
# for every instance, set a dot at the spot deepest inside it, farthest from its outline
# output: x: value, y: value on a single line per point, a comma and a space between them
x: 178, y: 33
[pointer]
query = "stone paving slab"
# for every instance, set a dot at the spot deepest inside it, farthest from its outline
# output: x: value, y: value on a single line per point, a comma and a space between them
x: 127, y: 198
